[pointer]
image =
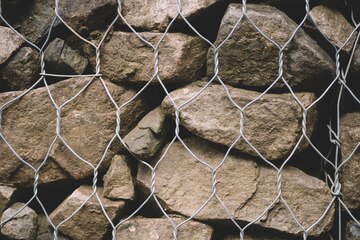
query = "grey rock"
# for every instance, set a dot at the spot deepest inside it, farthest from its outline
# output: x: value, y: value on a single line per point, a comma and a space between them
x: 350, y: 171
x: 23, y: 226
x: 248, y: 59
x: 6, y: 196
x: 62, y: 59
x: 183, y: 185
x: 118, y: 182
x: 352, y: 231
x: 9, y: 42
x: 146, y: 139
x: 90, y: 222
x: 22, y: 70
x: 272, y: 124
x: 87, y: 124
x: 160, y: 228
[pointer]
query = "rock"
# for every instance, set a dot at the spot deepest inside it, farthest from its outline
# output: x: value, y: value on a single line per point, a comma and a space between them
x: 22, y: 70
x: 273, y: 124
x: 156, y: 15
x: 45, y: 231
x: 350, y: 171
x: 160, y: 228
x: 23, y: 226
x: 61, y: 59
x: 90, y: 222
x: 183, y: 185
x: 6, y: 195
x: 333, y: 25
x: 252, y: 237
x: 181, y: 58
x: 356, y: 61
x: 87, y: 124
x: 118, y: 182
x: 247, y: 59
x: 9, y: 42
x: 146, y: 139
x: 352, y: 231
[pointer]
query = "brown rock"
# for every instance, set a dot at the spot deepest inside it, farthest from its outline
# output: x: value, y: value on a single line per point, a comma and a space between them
x: 181, y: 58
x: 245, y: 187
x: 87, y: 124
x: 9, y: 42
x: 352, y: 231
x: 252, y: 237
x: 118, y: 182
x: 146, y: 139
x: 22, y: 70
x: 350, y: 171
x: 160, y: 228
x: 273, y: 124
x: 90, y: 222
x: 6, y: 195
x: 248, y: 59
x: 356, y: 61
x: 45, y: 231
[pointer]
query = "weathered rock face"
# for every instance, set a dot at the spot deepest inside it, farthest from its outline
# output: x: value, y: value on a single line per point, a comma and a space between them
x: 90, y: 222
x: 352, y: 231
x: 118, y: 181
x: 146, y: 139
x: 160, y: 228
x: 181, y: 58
x: 23, y: 226
x: 247, y: 59
x: 245, y: 187
x: 6, y: 195
x: 251, y: 237
x: 350, y: 171
x: 87, y: 124
x: 12, y: 42
x: 60, y: 58
x: 22, y: 70
x: 45, y: 232
x: 272, y: 123
x: 156, y: 15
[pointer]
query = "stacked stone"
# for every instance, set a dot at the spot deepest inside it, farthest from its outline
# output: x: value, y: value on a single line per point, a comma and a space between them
x: 260, y: 104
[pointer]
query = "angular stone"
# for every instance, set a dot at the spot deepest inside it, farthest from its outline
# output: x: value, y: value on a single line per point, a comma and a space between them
x: 6, y: 195
x: 22, y: 70
x: 252, y: 237
x: 146, y: 139
x: 160, y: 228
x: 352, y: 231
x: 247, y: 59
x: 350, y: 171
x: 23, y: 226
x: 45, y: 231
x: 118, y: 182
x: 181, y: 58
x: 9, y: 43
x: 90, y: 222
x: 87, y: 124
x: 156, y: 15
x: 183, y: 185
x: 272, y: 124
x: 62, y: 59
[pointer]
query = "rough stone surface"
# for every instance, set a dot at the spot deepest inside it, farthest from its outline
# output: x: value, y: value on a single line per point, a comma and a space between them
x: 181, y: 58
x: 245, y: 187
x: 9, y: 42
x: 118, y: 182
x: 350, y: 171
x: 352, y: 231
x: 22, y: 70
x: 45, y: 231
x: 156, y: 15
x: 247, y: 59
x: 6, y: 195
x: 21, y: 227
x: 273, y: 124
x: 87, y: 124
x: 252, y: 237
x: 146, y: 139
x: 160, y: 228
x: 61, y: 59
x: 356, y: 61
x: 90, y: 222
x: 334, y: 26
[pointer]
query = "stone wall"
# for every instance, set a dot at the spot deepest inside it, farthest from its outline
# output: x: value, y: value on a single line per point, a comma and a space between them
x: 127, y: 120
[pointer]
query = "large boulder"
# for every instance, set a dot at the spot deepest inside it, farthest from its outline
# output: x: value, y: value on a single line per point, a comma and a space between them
x: 89, y: 222
x: 9, y: 43
x: 87, y: 125
x: 183, y: 185
x: 248, y: 59
x: 350, y: 171
x: 160, y: 228
x: 272, y: 124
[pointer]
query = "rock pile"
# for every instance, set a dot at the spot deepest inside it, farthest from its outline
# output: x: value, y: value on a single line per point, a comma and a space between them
x: 222, y: 138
